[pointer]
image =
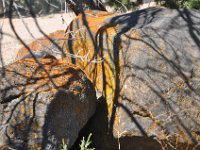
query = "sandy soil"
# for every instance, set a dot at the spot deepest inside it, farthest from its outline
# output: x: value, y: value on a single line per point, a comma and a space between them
x: 10, y: 44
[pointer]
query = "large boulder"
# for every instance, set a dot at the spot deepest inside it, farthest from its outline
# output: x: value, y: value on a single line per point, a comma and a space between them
x: 43, y: 102
x: 149, y: 74
x: 159, y: 76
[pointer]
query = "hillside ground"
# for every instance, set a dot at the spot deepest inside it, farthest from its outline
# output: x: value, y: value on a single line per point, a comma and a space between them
x: 9, y: 44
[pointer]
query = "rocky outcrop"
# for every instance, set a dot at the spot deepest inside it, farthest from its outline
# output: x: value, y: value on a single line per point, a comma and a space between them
x: 146, y: 65
x: 42, y: 103
x: 150, y: 74
x: 159, y: 76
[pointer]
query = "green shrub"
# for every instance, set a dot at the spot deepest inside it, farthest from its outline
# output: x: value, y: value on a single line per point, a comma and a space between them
x: 64, y: 146
x: 121, y: 5
x: 182, y: 4
x: 171, y: 4
x: 83, y: 146
x: 192, y: 4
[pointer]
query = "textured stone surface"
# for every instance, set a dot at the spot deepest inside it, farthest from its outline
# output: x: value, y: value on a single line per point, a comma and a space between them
x: 49, y: 102
x: 52, y: 43
x: 150, y: 75
x: 159, y: 90
x: 146, y: 65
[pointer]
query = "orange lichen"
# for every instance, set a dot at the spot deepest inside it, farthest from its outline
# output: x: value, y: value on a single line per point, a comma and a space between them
x: 47, y: 75
x: 42, y: 43
x: 94, y: 20
x: 96, y: 63
x: 80, y: 45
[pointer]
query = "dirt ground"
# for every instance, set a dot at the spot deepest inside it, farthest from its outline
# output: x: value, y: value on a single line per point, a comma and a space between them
x: 9, y: 44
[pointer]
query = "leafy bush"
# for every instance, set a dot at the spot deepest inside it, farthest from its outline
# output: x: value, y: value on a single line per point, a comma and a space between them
x: 182, y: 4
x: 192, y: 4
x: 171, y: 4
x: 120, y: 5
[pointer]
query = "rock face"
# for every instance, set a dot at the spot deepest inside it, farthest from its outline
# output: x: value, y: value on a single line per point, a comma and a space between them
x: 43, y: 103
x: 150, y: 74
x: 146, y: 65
x: 159, y: 76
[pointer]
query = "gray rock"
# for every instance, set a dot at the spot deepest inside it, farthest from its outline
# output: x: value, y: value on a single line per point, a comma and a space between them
x: 159, y: 80
x: 153, y: 59
x: 51, y: 105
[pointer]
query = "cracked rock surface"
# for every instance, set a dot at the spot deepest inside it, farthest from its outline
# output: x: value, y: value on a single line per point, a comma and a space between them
x: 43, y: 103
